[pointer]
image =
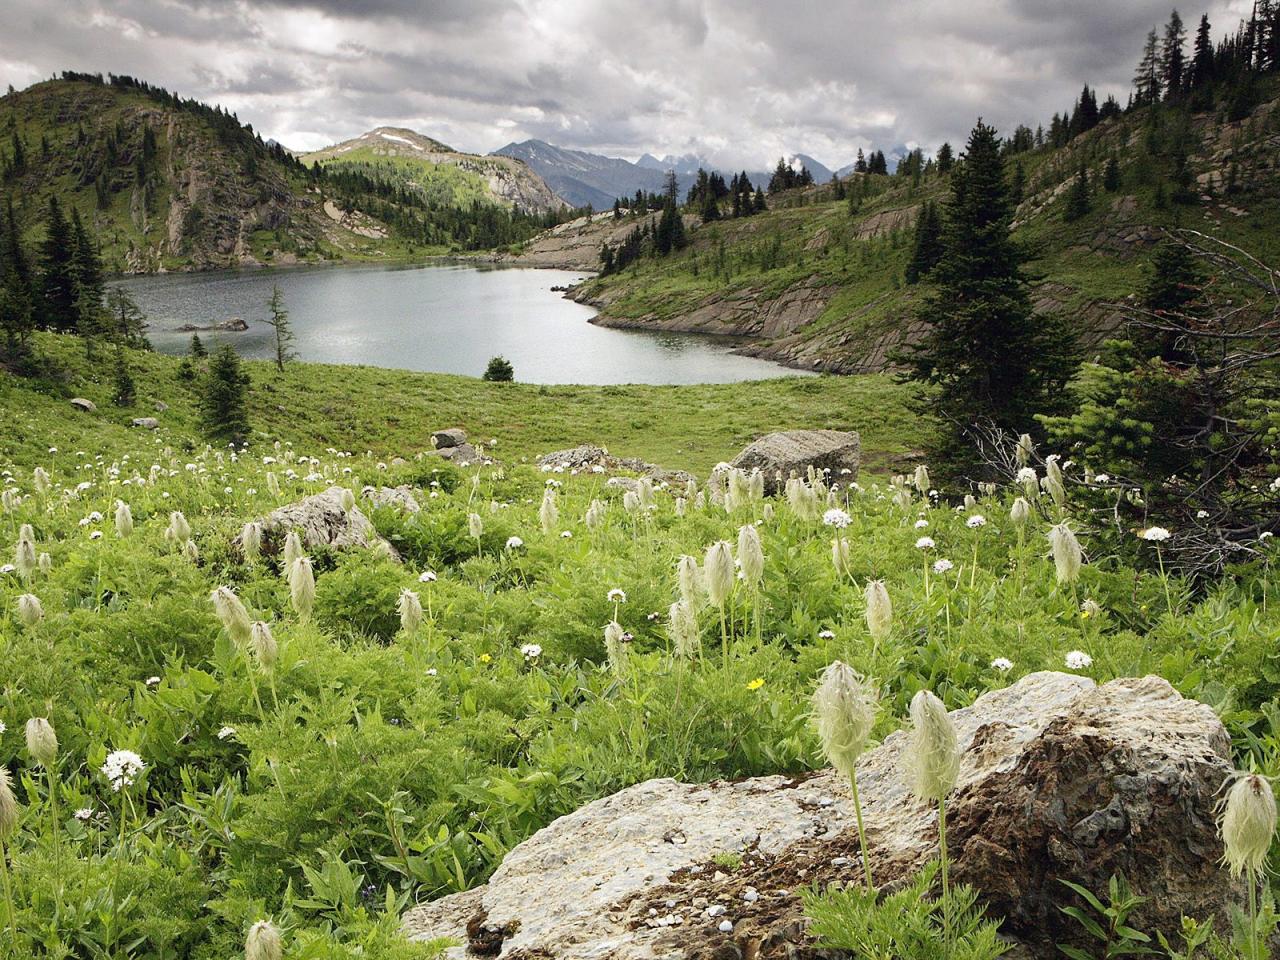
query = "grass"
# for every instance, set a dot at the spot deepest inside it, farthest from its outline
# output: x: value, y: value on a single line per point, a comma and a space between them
x: 368, y: 768
x: 392, y: 412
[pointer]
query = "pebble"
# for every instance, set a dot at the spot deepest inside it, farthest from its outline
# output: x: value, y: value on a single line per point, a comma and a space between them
x: 726, y: 926
x: 825, y: 801
x: 716, y: 910
x: 751, y: 895
x: 839, y: 861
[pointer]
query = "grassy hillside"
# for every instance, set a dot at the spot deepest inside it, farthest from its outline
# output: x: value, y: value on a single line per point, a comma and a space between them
x: 818, y: 284
x: 441, y: 175
x: 166, y: 183
x: 387, y: 411
x: 355, y: 765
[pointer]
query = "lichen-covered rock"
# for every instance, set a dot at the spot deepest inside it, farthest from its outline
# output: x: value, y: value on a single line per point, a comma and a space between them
x: 1060, y: 779
x: 321, y: 522
x: 80, y: 403
x: 146, y: 423
x: 778, y: 455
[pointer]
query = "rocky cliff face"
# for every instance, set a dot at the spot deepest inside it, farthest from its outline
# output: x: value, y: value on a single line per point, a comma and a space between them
x: 1060, y: 779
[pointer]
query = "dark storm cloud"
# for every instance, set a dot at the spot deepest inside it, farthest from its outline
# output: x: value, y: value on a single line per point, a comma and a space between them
x: 740, y: 81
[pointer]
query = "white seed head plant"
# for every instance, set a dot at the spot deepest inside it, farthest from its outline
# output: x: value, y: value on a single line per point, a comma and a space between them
x: 615, y: 648
x: 263, y: 644
x: 30, y: 610
x: 263, y: 942
x: 8, y: 806
x: 844, y: 712
x: 750, y: 556
x: 1067, y: 555
x: 235, y: 618
x: 934, y: 751
x: 549, y: 513
x: 682, y: 628
x: 42, y: 742
x: 689, y: 578
x: 124, y: 519
x: 251, y: 540
x: 292, y: 549
x: 1247, y: 825
x: 410, y: 608
x: 302, y: 587
x: 879, y: 610
x: 717, y: 573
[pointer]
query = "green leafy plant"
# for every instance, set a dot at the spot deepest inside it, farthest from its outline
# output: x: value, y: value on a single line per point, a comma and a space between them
x: 1108, y: 923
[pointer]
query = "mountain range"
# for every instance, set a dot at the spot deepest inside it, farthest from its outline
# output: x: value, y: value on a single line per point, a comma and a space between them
x: 584, y: 178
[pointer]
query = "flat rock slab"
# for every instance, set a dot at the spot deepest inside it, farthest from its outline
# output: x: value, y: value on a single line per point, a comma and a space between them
x: 779, y: 455
x: 80, y: 403
x: 452, y: 437
x: 1060, y: 779
x: 402, y: 498
x: 146, y: 423
x: 589, y: 458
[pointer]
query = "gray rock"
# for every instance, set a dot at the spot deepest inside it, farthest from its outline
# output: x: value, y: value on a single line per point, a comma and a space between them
x: 463, y: 454
x: 780, y: 454
x: 400, y: 497
x: 161, y: 406
x: 587, y: 456
x: 1060, y: 779
x: 80, y: 403
x: 147, y: 423
x: 321, y: 522
x: 452, y: 437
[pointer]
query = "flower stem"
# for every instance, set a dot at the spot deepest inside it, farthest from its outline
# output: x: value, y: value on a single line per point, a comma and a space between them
x: 862, y: 833
x: 946, y: 889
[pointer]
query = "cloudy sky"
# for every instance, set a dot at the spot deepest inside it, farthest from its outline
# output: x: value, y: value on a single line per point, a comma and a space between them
x: 739, y: 82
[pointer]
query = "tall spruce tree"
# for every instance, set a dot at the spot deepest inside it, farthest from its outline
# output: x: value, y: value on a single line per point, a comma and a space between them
x: 1078, y: 196
x: 223, y: 406
x: 16, y: 316
x: 927, y: 249
x: 57, y: 271
x: 984, y: 357
x: 1146, y: 81
x: 1172, y: 58
x: 281, y: 329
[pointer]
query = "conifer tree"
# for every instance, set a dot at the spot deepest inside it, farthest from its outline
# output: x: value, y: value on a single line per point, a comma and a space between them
x: 198, y: 352
x: 1111, y: 174
x: 57, y: 272
x: 17, y: 319
x: 125, y: 390
x: 1078, y: 196
x: 281, y: 329
x: 927, y: 249
x: 946, y: 159
x: 1146, y: 80
x: 223, y: 406
x: 985, y: 357
x: 1172, y: 58
x: 1202, y: 55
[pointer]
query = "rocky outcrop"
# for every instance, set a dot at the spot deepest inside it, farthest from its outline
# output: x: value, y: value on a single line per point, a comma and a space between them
x: 321, y: 522
x: 230, y: 325
x: 1060, y: 779
x: 146, y: 423
x: 452, y: 445
x: 588, y: 457
x: 402, y: 498
x: 80, y: 403
x: 779, y: 455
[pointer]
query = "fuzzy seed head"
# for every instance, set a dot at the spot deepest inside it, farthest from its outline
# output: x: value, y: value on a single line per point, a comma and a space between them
x: 40, y: 479
x: 302, y: 587
x: 24, y: 554
x: 840, y: 555
x: 1024, y: 449
x: 263, y: 942
x: 251, y: 540
x: 1247, y: 825
x: 750, y: 556
x: 30, y: 611
x: 644, y: 490
x: 921, y: 480
x: 263, y: 644
x: 548, y: 513
x: 689, y: 578
x: 410, y: 607
x: 879, y: 610
x: 934, y: 753
x: 682, y: 506
x: 8, y: 806
x: 292, y: 549
x: 717, y: 573
x: 124, y: 519
x: 1020, y: 512
x: 347, y: 499
x: 42, y: 742
x: 682, y: 628
x: 475, y: 525
x: 234, y: 617
x: 615, y: 647
x: 844, y: 711
x: 45, y: 563
x: 1067, y: 555
x: 179, y: 529
x: 273, y: 484
x: 191, y: 552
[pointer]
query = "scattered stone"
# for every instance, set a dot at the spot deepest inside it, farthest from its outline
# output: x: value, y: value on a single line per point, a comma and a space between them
x: 161, y: 406
x: 588, y: 458
x: 321, y: 522
x: 452, y: 437
x: 778, y: 455
x: 147, y: 423
x: 1060, y: 779
x: 400, y: 497
x: 80, y: 403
